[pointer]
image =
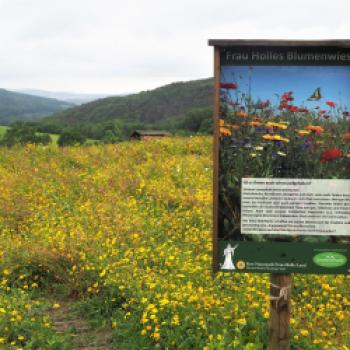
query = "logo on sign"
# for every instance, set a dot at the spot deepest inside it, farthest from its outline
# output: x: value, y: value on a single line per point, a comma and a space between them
x: 330, y: 259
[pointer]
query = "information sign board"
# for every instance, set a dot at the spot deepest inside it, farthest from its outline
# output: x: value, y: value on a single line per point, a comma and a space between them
x: 282, y: 156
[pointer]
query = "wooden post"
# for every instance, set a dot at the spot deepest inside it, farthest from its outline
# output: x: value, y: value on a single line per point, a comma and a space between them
x: 216, y: 158
x: 280, y: 292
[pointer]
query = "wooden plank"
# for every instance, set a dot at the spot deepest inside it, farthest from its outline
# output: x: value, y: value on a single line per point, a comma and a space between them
x: 216, y: 113
x: 276, y: 42
x: 280, y: 291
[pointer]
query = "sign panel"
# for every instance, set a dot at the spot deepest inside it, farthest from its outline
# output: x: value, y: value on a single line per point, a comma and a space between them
x: 282, y: 157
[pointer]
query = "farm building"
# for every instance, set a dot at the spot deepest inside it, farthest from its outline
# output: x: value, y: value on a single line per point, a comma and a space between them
x: 148, y: 134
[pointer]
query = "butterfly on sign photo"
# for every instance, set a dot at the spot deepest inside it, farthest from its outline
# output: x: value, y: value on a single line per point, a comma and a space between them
x: 316, y: 95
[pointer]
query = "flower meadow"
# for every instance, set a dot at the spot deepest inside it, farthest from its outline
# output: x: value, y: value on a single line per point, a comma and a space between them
x: 125, y: 231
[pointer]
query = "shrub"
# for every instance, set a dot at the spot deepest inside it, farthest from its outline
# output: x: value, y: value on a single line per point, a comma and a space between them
x: 71, y: 138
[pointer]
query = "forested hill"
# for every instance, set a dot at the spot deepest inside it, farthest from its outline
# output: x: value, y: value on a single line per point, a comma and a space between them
x: 17, y: 106
x: 147, y: 107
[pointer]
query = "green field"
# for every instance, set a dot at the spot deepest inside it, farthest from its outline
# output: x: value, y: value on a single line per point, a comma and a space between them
x: 3, y: 130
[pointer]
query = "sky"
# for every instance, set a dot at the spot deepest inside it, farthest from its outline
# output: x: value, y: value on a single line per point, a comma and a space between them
x: 114, y: 46
x: 267, y: 81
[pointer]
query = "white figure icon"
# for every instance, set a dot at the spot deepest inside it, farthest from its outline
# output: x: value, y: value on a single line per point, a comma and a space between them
x: 229, y: 252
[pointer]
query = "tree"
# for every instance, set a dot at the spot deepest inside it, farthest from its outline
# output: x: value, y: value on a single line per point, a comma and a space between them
x: 23, y: 133
x: 112, y: 132
x: 197, y: 120
x: 71, y: 138
x: 43, y: 139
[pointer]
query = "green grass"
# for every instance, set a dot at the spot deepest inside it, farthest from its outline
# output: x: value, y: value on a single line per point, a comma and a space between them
x: 54, y: 138
x: 3, y: 130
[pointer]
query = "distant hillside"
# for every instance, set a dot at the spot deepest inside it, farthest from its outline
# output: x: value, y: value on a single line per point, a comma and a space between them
x: 147, y: 107
x: 17, y: 106
x: 70, y: 97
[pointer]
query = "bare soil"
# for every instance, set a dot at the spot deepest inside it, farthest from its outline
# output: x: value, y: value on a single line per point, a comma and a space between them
x: 84, y: 336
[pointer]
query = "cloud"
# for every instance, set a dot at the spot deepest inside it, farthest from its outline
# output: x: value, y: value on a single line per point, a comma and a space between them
x: 117, y: 46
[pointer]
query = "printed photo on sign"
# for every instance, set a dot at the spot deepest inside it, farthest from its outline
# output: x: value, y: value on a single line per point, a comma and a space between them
x: 278, y: 124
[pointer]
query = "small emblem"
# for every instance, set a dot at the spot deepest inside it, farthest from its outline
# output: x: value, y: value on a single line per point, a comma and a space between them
x: 240, y: 264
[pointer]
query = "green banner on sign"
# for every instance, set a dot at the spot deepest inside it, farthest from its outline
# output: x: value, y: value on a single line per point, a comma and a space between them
x: 276, y: 257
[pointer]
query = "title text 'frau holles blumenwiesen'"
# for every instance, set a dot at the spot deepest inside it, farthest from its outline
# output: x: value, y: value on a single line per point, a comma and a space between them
x: 338, y: 56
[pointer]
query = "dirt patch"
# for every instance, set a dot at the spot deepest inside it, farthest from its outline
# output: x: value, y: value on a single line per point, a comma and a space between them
x: 84, y: 337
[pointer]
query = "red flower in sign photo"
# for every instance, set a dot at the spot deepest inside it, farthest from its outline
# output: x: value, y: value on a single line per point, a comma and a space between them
x: 303, y: 110
x: 293, y: 108
x: 287, y: 96
x: 331, y: 103
x: 232, y: 86
x: 331, y: 154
